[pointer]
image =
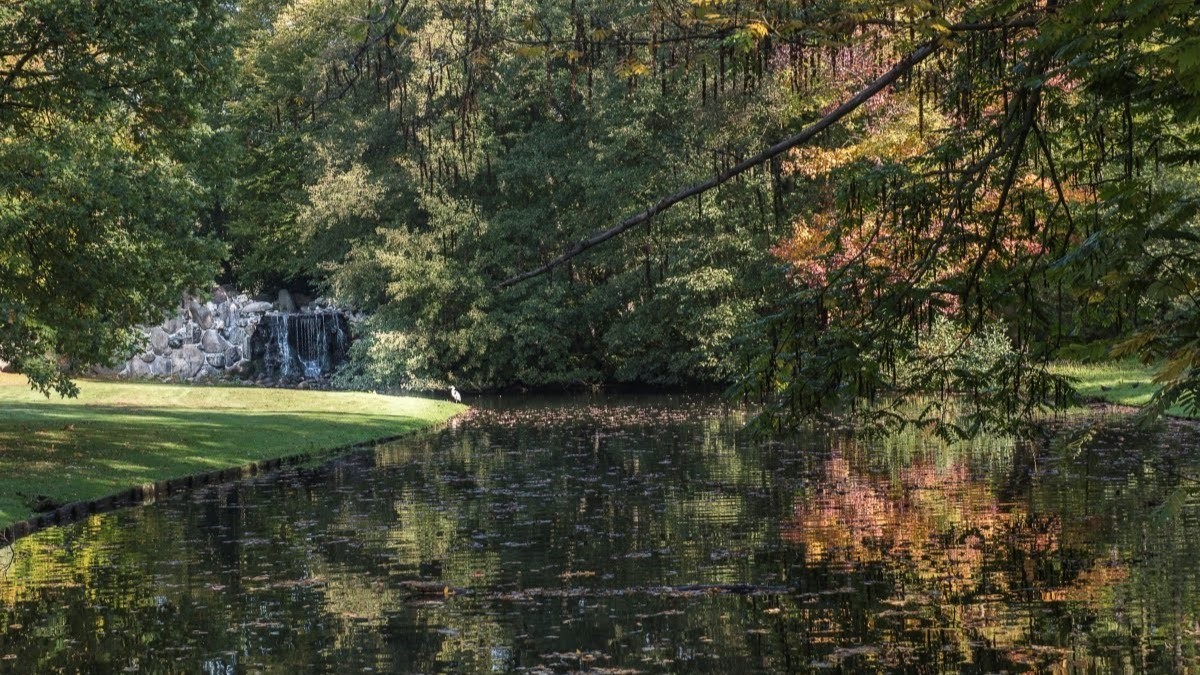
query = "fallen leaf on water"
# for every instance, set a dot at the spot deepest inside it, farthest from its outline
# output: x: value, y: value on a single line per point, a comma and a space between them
x: 574, y: 575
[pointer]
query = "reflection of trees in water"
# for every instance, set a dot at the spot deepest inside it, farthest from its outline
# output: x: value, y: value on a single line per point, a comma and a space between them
x: 897, y: 552
x: 1070, y: 570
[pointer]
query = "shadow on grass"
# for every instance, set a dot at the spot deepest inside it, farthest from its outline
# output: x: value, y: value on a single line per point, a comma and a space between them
x: 89, y: 451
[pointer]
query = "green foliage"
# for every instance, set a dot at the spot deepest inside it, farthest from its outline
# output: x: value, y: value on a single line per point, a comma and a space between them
x: 102, y: 138
x: 1033, y: 173
x: 1041, y: 189
x: 954, y: 356
x: 429, y: 152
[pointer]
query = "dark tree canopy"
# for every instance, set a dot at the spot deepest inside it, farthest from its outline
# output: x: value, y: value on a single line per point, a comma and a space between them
x: 980, y: 195
x: 888, y: 199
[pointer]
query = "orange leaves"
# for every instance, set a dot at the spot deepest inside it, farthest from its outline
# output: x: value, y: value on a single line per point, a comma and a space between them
x: 807, y: 250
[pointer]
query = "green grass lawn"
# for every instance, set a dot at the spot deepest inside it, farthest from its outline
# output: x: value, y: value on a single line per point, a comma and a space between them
x: 119, y: 434
x: 1120, y: 382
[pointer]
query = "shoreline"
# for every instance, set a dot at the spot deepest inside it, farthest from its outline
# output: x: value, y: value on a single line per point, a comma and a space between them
x: 148, y: 493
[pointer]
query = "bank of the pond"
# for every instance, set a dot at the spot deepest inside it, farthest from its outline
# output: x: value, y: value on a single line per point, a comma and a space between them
x: 117, y: 435
x: 1126, y: 383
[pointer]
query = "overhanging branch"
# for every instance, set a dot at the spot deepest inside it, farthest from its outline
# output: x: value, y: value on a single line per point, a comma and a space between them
x: 807, y: 134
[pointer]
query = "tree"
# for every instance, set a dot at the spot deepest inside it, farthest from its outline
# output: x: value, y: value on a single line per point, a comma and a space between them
x: 957, y: 178
x: 108, y: 168
x: 1043, y: 136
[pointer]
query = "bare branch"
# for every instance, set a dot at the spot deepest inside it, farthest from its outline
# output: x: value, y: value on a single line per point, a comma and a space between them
x: 807, y: 134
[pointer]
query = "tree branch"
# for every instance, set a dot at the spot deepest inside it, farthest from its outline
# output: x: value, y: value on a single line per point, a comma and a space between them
x: 804, y: 136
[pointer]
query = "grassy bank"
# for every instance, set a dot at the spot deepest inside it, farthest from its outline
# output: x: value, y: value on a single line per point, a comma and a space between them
x: 119, y: 434
x: 1120, y: 382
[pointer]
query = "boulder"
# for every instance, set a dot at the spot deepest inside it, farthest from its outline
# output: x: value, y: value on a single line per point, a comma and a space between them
x: 285, y: 302
x: 216, y: 361
x: 212, y: 342
x: 160, y: 367
x: 175, y: 341
x: 172, y: 325
x: 193, y: 358
x: 232, y: 355
x: 236, y: 336
x: 159, y: 340
x: 219, y: 294
x: 147, y: 357
x: 198, y: 312
x: 139, y: 369
x: 256, y: 307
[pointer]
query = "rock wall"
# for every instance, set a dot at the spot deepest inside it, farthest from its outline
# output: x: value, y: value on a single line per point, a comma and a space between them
x: 215, y: 339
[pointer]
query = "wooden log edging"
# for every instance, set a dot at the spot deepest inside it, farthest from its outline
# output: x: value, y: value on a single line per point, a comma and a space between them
x: 148, y: 493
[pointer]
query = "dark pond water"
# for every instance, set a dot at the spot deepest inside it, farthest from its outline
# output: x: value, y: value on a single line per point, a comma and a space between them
x: 635, y: 536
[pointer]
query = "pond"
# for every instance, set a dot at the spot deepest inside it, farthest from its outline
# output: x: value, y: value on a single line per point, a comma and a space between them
x: 636, y: 535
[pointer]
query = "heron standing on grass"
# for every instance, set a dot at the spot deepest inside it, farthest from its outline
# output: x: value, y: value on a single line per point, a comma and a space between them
x: 455, y: 395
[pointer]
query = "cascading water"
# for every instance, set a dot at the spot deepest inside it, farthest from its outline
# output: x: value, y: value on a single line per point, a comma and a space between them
x: 283, y: 352
x: 293, y: 346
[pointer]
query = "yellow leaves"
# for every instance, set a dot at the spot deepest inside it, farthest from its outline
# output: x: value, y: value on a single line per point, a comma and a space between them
x: 1178, y: 366
x: 530, y: 51
x: 632, y: 68
x: 757, y: 30
x: 1133, y: 344
x: 940, y: 26
x: 709, y: 12
x: 815, y: 161
x: 891, y: 135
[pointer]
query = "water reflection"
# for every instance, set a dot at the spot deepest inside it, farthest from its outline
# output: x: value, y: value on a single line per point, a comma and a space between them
x: 635, y: 535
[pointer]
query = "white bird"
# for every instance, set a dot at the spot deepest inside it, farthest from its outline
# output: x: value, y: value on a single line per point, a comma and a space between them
x: 455, y: 395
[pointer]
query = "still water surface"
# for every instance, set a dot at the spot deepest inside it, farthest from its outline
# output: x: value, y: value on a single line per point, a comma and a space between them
x: 636, y: 535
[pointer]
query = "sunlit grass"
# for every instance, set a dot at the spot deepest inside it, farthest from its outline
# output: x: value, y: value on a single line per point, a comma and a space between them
x: 1119, y: 382
x: 119, y: 434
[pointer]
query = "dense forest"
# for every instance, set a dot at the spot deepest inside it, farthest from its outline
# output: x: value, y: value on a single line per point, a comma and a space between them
x: 818, y: 203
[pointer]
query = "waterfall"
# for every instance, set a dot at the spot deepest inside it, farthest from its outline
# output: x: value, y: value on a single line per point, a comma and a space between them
x: 282, y: 351
x: 311, y: 344
x: 293, y: 346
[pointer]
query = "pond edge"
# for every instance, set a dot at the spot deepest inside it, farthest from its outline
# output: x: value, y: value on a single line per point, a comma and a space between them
x: 147, y: 493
